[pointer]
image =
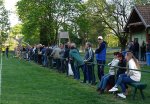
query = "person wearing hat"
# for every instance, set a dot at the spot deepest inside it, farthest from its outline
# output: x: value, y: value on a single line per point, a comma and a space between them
x: 101, y: 56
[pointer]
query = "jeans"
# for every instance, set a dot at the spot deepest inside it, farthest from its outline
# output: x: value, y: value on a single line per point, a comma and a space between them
x: 100, y: 68
x: 122, y: 81
x: 73, y: 69
x: 77, y: 72
x: 90, y: 73
x: 104, y: 80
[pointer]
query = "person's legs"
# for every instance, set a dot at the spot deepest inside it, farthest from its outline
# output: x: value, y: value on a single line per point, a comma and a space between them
x: 89, y: 73
x: 77, y: 73
x: 101, y: 64
x: 125, y: 80
x: 105, y: 80
x: 66, y: 67
x: 73, y: 68
x: 7, y: 54
x: 93, y: 75
x: 58, y: 64
x: 84, y: 70
x: 101, y: 83
x: 119, y: 81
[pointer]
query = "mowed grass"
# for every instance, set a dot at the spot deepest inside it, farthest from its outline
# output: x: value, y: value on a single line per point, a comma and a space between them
x: 28, y: 83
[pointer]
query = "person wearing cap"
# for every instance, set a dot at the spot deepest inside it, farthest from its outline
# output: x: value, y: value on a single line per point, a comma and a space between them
x: 101, y: 56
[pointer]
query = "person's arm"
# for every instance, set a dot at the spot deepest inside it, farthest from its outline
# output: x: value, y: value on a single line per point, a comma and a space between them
x: 53, y: 52
x: 90, y: 55
x: 101, y: 47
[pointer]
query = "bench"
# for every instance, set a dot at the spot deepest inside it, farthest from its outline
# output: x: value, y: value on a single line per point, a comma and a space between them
x: 140, y: 86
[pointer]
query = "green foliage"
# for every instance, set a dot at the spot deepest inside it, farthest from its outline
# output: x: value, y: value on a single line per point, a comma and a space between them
x: 44, y: 19
x: 15, y: 30
x: 142, y: 2
x: 112, y: 41
x: 4, y: 23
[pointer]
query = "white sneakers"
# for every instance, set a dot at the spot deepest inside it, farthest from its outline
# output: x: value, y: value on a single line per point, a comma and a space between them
x: 113, y: 89
x: 121, y: 95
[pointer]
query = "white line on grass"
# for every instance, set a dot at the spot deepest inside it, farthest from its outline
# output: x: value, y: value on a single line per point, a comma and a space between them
x: 1, y: 75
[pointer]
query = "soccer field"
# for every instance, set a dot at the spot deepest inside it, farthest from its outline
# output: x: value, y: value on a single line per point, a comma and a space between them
x: 25, y: 82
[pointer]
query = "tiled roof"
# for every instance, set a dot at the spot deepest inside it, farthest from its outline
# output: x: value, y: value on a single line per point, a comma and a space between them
x: 144, y: 11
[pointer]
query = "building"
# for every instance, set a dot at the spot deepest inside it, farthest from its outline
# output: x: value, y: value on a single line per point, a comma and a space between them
x: 138, y: 24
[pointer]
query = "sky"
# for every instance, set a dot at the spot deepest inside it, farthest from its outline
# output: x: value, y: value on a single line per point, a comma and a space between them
x: 10, y: 5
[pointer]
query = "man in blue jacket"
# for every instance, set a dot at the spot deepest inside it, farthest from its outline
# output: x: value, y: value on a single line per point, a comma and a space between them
x: 101, y: 56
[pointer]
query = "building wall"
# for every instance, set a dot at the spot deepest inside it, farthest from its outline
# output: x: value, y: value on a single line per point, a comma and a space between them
x: 141, y: 37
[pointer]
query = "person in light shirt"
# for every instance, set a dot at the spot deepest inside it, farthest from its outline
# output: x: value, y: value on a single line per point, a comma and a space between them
x: 130, y: 76
x: 103, y: 83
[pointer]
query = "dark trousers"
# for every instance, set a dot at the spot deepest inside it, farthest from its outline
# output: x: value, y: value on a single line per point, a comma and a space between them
x: 36, y: 58
x: 143, y: 56
x: 73, y: 69
x: 77, y: 72
x: 91, y: 74
x: 50, y: 61
x: 66, y: 62
x: 58, y: 64
x: 6, y: 54
x: 100, y: 67
x: 62, y: 67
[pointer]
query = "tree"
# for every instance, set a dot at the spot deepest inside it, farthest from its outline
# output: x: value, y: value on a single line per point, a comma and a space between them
x: 113, y: 15
x: 46, y: 18
x: 141, y: 2
x: 4, y: 23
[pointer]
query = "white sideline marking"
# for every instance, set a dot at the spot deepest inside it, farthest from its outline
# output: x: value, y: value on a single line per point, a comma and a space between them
x: 0, y: 75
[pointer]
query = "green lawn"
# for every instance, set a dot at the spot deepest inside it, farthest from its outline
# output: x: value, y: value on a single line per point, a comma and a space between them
x: 27, y: 83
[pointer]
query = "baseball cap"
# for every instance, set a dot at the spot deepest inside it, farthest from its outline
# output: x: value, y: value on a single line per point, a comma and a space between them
x: 100, y: 37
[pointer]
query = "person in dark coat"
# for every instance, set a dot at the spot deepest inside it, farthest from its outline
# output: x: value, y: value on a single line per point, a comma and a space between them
x: 7, y: 51
x: 143, y: 51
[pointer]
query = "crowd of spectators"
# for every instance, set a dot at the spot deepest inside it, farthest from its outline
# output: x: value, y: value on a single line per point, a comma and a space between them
x: 59, y: 57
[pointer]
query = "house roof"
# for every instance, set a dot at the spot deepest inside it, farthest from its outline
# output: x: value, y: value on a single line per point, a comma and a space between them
x: 140, y: 15
x: 144, y: 13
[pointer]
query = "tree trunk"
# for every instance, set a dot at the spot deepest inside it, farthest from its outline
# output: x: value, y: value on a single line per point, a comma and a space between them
x: 43, y: 36
x: 123, y: 42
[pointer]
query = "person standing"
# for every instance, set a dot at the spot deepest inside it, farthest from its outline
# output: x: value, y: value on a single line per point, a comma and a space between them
x: 78, y: 62
x: 3, y: 51
x: 101, y: 56
x: 131, y: 46
x: 143, y: 51
x: 66, y: 57
x: 89, y: 62
x: 7, y: 51
x: 136, y: 49
x: 56, y: 56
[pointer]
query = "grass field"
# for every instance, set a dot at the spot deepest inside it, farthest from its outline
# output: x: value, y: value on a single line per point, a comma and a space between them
x: 28, y: 83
